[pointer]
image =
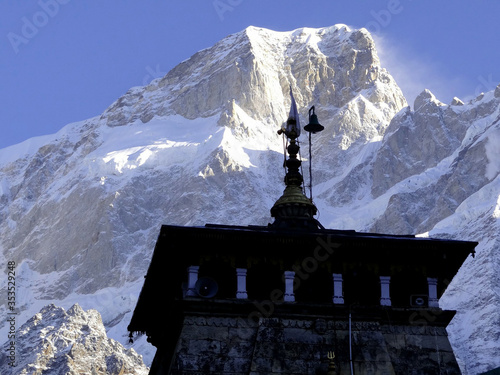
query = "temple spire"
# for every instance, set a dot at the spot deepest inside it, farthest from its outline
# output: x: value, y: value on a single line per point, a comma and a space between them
x: 293, y: 209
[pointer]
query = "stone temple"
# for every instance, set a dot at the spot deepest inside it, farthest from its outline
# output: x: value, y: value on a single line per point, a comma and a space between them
x: 294, y: 297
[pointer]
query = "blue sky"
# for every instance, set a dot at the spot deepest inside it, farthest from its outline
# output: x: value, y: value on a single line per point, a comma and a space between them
x: 63, y: 61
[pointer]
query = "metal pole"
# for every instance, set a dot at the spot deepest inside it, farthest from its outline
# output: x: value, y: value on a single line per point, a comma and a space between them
x: 310, y: 170
x: 350, y: 345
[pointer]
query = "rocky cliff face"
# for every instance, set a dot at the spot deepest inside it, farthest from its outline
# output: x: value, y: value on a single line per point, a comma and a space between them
x: 55, y: 341
x: 436, y: 172
x: 80, y: 210
x: 193, y: 147
x: 435, y: 133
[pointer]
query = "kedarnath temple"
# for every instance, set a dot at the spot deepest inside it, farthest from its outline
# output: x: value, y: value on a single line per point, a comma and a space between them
x: 294, y: 297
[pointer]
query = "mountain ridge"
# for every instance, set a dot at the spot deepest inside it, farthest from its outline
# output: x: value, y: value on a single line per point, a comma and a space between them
x: 80, y: 210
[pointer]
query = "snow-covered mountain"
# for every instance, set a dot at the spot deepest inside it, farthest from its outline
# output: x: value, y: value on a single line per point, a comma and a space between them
x: 80, y: 210
x: 55, y: 341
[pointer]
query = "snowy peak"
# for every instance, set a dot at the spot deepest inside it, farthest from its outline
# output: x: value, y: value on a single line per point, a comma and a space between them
x: 72, y: 341
x: 203, y: 136
x: 425, y: 98
x: 255, y: 68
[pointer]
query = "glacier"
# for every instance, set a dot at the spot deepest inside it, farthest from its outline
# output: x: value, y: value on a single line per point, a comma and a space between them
x: 80, y: 210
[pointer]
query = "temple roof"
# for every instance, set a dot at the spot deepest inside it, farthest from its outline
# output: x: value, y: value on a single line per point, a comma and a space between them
x: 178, y: 247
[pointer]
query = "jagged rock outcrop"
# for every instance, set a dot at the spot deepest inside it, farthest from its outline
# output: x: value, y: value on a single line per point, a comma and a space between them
x: 55, y: 341
x: 450, y: 141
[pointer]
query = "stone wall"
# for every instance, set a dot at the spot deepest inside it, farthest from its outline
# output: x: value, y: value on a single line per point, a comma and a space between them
x: 216, y: 345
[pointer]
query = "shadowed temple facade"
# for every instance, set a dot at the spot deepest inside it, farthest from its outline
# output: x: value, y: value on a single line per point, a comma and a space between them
x: 294, y: 297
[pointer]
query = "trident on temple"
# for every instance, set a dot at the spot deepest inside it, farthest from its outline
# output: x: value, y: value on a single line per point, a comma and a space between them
x: 331, y: 365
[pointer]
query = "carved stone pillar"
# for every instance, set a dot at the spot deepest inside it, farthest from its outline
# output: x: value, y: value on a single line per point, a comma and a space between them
x: 241, y: 277
x: 192, y: 279
x: 338, y: 293
x: 385, y: 295
x: 433, y: 298
x: 289, y: 295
